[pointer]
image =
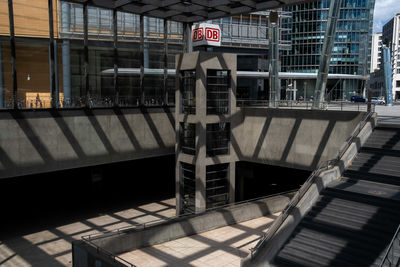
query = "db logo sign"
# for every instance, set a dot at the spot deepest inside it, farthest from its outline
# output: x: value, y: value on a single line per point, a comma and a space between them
x: 213, y: 35
x: 206, y: 34
x: 198, y: 35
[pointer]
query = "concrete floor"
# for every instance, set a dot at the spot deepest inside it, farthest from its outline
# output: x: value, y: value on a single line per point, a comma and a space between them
x: 51, y: 246
x: 224, y: 246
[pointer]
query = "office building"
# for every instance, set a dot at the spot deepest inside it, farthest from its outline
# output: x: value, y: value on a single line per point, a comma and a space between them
x: 350, y: 61
x: 391, y: 38
x: 376, y: 51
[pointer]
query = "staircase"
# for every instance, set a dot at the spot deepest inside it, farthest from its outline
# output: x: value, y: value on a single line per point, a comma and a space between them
x: 354, y: 218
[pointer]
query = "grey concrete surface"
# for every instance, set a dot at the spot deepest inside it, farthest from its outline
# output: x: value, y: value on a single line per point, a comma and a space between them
x: 298, y: 139
x: 49, y: 140
x: 388, y: 114
x: 266, y: 253
x: 130, y: 239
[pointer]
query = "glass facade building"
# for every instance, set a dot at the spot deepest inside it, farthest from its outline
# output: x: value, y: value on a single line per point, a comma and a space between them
x: 351, y: 51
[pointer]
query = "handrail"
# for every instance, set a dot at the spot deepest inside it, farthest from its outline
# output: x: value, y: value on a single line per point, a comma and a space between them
x: 107, y: 253
x: 304, y: 188
x: 390, y: 247
x: 305, y: 104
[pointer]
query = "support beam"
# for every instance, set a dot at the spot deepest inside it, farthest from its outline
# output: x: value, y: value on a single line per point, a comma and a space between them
x: 329, y: 39
x: 141, y: 54
x: 66, y: 60
x: 1, y: 78
x: 115, y: 32
x: 165, y: 89
x: 86, y: 54
x: 273, y: 57
x: 13, y: 56
x: 53, y: 92
x: 187, y: 37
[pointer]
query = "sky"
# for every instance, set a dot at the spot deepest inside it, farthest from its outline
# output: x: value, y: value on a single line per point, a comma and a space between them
x: 384, y: 11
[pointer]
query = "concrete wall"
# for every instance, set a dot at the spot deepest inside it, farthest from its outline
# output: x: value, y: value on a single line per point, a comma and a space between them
x: 45, y: 140
x: 130, y: 239
x: 291, y: 138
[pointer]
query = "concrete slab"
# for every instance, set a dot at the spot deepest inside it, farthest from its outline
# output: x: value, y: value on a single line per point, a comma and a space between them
x: 224, y: 246
x: 51, y: 246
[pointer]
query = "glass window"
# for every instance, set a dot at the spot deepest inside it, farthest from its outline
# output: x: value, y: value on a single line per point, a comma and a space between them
x: 188, y: 91
x: 218, y: 84
x: 188, y: 187
x: 188, y: 138
x: 217, y: 138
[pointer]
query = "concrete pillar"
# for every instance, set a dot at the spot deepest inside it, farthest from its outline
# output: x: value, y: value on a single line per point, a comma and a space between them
x: 66, y: 64
x: 201, y: 62
x: 273, y: 57
x: 66, y: 55
x: 1, y: 78
x: 294, y: 90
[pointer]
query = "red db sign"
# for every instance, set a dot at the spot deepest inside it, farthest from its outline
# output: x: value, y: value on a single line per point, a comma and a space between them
x: 206, y: 34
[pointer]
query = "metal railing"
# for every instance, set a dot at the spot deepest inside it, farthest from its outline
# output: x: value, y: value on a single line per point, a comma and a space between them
x: 307, y: 105
x: 140, y: 226
x: 326, y: 165
x: 107, y: 253
x: 392, y: 255
x: 93, y: 102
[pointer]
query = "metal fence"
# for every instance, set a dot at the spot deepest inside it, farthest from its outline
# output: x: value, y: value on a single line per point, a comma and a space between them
x: 307, y: 105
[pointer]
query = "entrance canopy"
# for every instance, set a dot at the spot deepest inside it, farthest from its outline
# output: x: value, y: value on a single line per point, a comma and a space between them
x: 189, y: 10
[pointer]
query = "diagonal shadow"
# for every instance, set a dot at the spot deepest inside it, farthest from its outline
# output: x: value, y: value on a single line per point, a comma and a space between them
x: 97, y: 127
x: 262, y: 136
x: 31, y: 135
x: 323, y: 143
x: 152, y: 126
x: 6, y: 160
x: 291, y: 138
x: 68, y: 133
x: 122, y: 119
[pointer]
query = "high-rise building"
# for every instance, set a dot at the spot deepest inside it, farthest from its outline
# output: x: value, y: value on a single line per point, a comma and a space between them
x: 391, y: 38
x: 350, y: 61
x: 376, y: 51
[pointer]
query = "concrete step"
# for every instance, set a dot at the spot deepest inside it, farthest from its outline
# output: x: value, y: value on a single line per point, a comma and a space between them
x: 315, y: 237
x: 351, y: 225
x: 350, y: 255
x: 355, y: 238
x: 372, y: 200
x: 367, y: 157
x: 309, y: 257
x: 392, y: 171
x: 375, y: 162
x: 362, y: 210
x: 374, y: 177
x: 379, y: 151
x: 356, y: 216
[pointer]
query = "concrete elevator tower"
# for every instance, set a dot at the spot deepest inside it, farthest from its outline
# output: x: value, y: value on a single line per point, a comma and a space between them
x: 205, y: 103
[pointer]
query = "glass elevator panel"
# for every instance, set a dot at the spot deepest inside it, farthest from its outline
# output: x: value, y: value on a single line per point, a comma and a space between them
x: 217, y: 189
x: 188, y: 89
x: 188, y: 187
x: 218, y: 83
x: 188, y: 138
x: 217, y: 138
